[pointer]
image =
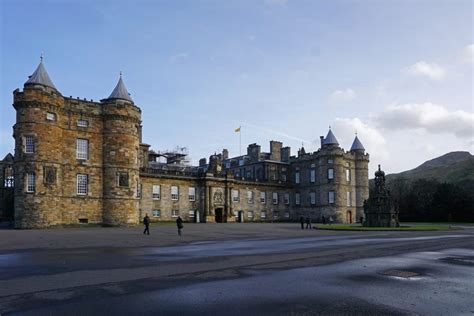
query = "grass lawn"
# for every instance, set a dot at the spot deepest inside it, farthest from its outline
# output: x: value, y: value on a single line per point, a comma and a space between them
x: 403, y: 227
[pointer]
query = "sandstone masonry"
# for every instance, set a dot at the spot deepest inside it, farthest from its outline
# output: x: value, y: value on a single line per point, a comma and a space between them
x: 79, y: 161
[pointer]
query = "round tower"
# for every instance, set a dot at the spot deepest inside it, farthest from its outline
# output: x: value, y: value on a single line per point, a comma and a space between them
x: 38, y: 141
x: 121, y: 124
x: 361, y: 176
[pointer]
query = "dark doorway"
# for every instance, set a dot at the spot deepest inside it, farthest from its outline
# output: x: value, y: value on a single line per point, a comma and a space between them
x: 220, y: 218
x: 349, y: 217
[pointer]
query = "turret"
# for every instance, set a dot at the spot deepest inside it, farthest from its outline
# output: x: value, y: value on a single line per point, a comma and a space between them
x: 361, y: 175
x: 121, y: 126
x: 330, y: 139
x: 38, y: 159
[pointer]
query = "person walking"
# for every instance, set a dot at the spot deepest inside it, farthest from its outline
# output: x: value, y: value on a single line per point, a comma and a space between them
x: 308, y: 222
x: 302, y: 222
x: 324, y: 220
x: 179, y: 223
x: 146, y: 222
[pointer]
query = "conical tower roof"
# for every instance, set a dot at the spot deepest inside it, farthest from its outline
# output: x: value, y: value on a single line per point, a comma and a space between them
x: 357, y: 145
x: 330, y: 139
x: 120, y: 91
x: 40, y: 76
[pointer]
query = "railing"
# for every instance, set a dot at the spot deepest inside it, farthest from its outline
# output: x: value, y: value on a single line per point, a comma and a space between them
x: 173, y: 171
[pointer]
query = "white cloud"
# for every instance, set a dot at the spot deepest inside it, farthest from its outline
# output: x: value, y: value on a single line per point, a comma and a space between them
x: 430, y: 117
x: 343, y: 95
x: 422, y: 68
x: 373, y: 141
x: 468, y: 54
x: 178, y: 57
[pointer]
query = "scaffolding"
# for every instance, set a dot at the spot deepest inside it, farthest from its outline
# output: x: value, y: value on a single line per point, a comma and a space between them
x: 177, y: 156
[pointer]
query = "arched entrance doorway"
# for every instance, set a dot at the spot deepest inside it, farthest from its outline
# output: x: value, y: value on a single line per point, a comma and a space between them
x: 220, y: 216
x: 349, y: 217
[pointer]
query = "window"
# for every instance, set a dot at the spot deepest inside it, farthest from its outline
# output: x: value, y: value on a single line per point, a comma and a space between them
x: 156, y: 192
x: 263, y: 197
x: 156, y: 213
x: 312, y: 175
x: 287, y: 214
x: 283, y: 177
x: 330, y: 173
x: 275, y: 197
x: 30, y: 182
x: 29, y: 144
x: 50, y: 116
x: 297, y: 198
x: 174, y: 193
x: 174, y: 213
x: 82, y: 149
x: 263, y: 214
x: 348, y: 175
x: 313, y: 165
x: 83, y: 123
x: 276, y: 215
x: 122, y: 179
x: 312, y: 198
x: 297, y: 177
x: 227, y: 164
x: 330, y: 161
x: 9, y: 181
x: 139, y: 190
x: 250, y: 197
x: 192, y: 213
x: 235, y: 195
x: 192, y: 194
x: 286, y: 198
x: 250, y: 214
x: 82, y: 180
x: 241, y: 162
x: 331, y: 197
x: 349, y: 198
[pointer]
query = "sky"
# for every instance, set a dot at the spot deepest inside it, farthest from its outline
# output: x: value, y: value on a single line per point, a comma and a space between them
x: 399, y: 73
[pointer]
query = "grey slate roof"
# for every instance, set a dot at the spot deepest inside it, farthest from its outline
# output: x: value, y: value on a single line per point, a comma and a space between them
x: 120, y: 91
x: 40, y: 76
x: 330, y: 139
x: 357, y: 145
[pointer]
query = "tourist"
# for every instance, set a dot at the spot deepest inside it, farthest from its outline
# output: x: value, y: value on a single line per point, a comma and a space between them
x: 308, y: 222
x: 146, y: 222
x: 302, y: 222
x: 179, y: 223
x: 324, y: 220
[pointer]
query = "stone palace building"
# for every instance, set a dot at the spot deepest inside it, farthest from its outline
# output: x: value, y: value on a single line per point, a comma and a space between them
x: 83, y: 161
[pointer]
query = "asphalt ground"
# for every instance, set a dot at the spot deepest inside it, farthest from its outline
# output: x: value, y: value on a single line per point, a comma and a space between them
x: 235, y: 269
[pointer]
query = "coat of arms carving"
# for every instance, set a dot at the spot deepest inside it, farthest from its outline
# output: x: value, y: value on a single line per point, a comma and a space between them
x: 218, y: 198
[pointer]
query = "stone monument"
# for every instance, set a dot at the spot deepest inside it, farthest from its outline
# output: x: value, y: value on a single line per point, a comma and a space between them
x: 379, y: 208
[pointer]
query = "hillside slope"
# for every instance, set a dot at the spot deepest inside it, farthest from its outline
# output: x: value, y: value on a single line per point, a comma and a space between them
x: 454, y: 167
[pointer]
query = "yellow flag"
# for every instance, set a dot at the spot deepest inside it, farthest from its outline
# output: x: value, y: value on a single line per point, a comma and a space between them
x: 237, y: 129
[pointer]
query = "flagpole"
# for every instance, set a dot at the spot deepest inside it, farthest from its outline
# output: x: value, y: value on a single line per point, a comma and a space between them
x: 240, y: 140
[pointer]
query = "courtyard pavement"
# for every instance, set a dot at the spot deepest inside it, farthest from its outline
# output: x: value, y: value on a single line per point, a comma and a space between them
x: 235, y: 269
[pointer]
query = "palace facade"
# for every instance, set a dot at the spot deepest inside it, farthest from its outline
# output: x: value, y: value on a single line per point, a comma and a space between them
x: 83, y: 161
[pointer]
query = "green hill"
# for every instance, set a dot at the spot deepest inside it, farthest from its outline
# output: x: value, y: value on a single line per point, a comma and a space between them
x: 455, y: 167
x: 438, y: 190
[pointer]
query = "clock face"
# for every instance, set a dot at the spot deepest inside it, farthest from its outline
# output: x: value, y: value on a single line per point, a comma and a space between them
x: 219, y: 168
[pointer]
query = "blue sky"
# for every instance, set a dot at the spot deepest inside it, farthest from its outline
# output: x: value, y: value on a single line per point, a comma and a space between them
x: 398, y: 72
